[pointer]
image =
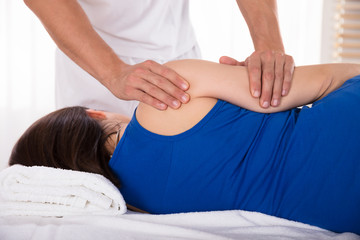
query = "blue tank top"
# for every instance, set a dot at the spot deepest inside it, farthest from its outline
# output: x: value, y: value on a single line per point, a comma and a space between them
x: 295, y: 164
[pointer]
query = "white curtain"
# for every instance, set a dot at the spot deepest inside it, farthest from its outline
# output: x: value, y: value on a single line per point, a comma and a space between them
x: 26, y: 73
x: 27, y: 53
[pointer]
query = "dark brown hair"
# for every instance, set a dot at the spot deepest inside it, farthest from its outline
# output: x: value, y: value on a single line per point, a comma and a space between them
x: 67, y: 138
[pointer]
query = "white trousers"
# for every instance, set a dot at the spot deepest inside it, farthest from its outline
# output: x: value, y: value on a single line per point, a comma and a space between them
x: 75, y: 87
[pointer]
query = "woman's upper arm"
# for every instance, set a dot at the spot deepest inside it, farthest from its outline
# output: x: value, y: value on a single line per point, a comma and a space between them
x: 230, y: 83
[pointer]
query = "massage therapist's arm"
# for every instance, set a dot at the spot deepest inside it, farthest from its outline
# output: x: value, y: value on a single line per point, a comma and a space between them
x: 71, y: 30
x: 230, y: 83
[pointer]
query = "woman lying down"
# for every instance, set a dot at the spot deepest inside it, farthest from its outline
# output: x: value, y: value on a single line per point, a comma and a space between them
x: 222, y: 151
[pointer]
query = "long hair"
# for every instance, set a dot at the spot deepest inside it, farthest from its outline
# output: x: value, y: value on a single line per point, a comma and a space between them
x: 67, y: 138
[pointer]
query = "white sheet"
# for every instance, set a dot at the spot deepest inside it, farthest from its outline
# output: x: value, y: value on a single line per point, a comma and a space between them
x: 206, y: 225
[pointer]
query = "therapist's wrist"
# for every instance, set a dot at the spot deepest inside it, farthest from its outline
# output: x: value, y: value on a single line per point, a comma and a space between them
x: 268, y: 45
x: 110, y: 74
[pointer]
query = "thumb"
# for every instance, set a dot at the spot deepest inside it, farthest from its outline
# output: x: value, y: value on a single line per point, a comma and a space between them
x: 230, y: 61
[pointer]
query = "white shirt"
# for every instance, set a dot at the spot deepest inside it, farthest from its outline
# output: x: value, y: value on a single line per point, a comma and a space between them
x: 136, y: 30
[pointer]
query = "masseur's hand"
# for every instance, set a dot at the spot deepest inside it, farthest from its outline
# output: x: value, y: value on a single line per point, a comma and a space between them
x: 270, y: 75
x: 151, y: 83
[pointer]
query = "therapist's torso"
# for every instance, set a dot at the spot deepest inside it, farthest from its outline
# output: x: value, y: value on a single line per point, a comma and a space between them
x: 136, y: 30
x: 156, y: 29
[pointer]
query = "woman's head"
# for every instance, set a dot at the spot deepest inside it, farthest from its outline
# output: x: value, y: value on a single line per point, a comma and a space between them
x: 67, y: 138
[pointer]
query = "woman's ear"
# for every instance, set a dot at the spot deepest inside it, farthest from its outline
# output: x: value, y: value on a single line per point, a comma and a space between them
x: 98, y: 115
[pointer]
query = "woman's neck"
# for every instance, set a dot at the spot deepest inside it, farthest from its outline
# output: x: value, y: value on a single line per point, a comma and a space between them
x: 115, y: 137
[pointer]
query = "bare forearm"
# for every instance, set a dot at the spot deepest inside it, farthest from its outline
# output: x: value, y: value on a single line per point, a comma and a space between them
x: 339, y: 73
x: 148, y: 81
x: 310, y: 83
x: 262, y: 20
x: 230, y: 83
x: 71, y: 30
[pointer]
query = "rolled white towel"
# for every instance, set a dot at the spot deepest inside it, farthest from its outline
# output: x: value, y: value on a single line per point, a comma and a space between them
x: 46, y: 191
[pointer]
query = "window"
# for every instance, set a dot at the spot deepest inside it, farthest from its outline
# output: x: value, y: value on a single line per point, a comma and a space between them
x: 343, y: 34
x: 347, y: 40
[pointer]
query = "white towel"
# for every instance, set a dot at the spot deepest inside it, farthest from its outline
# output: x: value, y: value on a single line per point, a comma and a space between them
x: 45, y: 191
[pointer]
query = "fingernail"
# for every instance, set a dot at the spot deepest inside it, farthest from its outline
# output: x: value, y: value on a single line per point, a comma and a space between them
x: 275, y: 102
x: 184, y: 98
x: 162, y: 105
x: 184, y: 86
x: 283, y: 92
x: 265, y: 104
x: 175, y: 103
x: 256, y: 93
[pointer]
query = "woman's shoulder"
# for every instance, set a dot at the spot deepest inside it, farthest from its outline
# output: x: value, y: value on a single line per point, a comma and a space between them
x: 174, y: 121
x: 204, y: 78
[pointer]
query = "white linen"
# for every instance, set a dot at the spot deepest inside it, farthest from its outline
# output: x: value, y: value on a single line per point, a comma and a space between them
x: 45, y: 191
x: 220, y: 225
x: 91, y: 197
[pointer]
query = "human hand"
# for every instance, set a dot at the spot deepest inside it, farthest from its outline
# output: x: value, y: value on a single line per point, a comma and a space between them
x: 270, y: 75
x: 151, y: 83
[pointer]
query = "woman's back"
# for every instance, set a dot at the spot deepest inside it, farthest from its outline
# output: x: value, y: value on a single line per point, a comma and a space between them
x: 216, y: 156
x: 284, y: 164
